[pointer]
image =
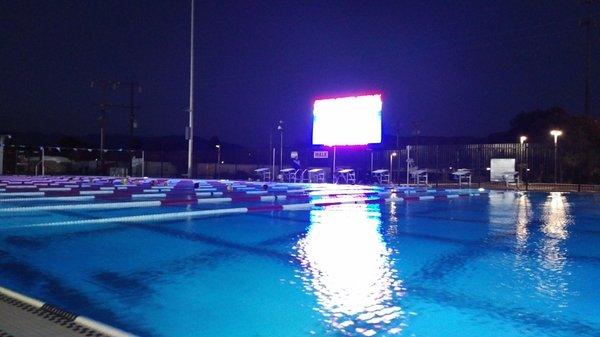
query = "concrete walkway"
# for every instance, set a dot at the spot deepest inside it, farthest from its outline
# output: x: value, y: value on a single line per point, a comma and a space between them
x: 19, y: 319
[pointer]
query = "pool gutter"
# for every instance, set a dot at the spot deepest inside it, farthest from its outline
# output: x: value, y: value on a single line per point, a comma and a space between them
x: 21, y: 302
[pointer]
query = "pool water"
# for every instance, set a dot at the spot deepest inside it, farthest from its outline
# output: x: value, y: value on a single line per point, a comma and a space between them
x: 509, y: 264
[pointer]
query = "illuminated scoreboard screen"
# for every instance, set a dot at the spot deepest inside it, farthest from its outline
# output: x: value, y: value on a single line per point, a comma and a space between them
x: 347, y: 120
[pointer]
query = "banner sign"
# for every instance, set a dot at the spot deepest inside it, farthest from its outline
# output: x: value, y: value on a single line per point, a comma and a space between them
x: 321, y: 154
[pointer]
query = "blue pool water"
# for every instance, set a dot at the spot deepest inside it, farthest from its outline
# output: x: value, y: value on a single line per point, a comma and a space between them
x: 505, y: 265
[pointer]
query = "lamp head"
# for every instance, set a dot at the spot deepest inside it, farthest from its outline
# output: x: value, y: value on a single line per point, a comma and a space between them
x: 556, y: 133
x: 522, y: 139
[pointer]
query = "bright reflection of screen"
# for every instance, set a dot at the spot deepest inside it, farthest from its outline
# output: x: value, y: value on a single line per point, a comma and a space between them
x: 346, y: 265
x: 347, y: 120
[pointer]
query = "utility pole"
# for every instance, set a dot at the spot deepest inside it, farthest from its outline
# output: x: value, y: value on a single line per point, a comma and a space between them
x: 190, y: 128
x: 588, y: 23
x: 133, y: 87
x: 104, y: 105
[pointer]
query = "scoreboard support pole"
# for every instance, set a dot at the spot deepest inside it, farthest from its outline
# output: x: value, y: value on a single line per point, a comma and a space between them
x: 333, y: 169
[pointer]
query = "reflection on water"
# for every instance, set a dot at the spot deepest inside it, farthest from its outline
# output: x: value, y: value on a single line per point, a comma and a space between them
x: 556, y: 218
x: 346, y: 264
x: 523, y: 218
x: 540, y: 254
x: 392, y: 228
x: 500, y: 207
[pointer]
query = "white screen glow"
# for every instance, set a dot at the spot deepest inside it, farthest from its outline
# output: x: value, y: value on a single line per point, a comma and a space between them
x: 347, y: 120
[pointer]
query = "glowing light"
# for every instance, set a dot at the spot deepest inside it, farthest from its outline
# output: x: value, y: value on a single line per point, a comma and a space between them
x: 347, y: 120
x: 346, y: 265
x: 522, y: 139
x: 556, y: 134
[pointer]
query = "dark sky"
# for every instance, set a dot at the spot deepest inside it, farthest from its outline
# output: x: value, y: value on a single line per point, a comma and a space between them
x: 462, y: 68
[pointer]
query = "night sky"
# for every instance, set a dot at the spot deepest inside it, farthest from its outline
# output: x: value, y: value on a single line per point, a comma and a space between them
x: 459, y: 68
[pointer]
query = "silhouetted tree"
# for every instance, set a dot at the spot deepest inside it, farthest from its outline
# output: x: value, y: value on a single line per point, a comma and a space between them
x: 70, y: 141
x: 579, y: 146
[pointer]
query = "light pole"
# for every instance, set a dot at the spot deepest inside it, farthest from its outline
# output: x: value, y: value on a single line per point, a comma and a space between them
x: 408, y: 165
x: 190, y: 128
x: 555, y: 134
x: 43, y: 160
x: 280, y: 128
x: 391, y: 167
x: 218, y: 147
x: 522, y: 140
x: 2, y: 139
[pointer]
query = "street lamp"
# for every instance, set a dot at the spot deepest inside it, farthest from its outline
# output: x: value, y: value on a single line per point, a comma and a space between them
x: 2, y: 139
x: 218, y: 147
x: 391, y: 167
x: 280, y: 128
x: 522, y: 140
x: 190, y: 127
x: 43, y: 157
x: 555, y: 134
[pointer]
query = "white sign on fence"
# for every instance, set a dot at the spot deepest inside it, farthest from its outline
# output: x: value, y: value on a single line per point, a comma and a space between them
x: 321, y: 154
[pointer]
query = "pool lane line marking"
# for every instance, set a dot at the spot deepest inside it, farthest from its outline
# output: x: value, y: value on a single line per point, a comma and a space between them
x: 107, y: 205
x: 223, y: 211
x: 44, y: 196
x: 67, y: 198
x: 192, y: 201
x: 177, y: 215
x: 81, y: 320
x: 22, y: 194
x: 140, y: 204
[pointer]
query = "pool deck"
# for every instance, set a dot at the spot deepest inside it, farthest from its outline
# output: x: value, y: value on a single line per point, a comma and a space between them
x: 21, y: 316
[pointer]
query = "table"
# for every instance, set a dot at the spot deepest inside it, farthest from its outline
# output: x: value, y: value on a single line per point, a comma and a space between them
x: 264, y: 173
x: 316, y: 175
x: 348, y: 175
x: 382, y: 176
x: 288, y: 174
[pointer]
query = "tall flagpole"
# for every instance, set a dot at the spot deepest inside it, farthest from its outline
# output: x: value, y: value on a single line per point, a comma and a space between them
x: 190, y: 133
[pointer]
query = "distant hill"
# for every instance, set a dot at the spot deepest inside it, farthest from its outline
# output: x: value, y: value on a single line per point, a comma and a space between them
x: 178, y: 142
x: 113, y: 141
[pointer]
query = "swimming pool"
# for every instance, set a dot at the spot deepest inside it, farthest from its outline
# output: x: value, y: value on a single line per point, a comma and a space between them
x: 504, y: 264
